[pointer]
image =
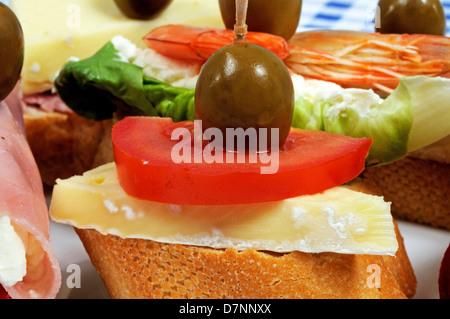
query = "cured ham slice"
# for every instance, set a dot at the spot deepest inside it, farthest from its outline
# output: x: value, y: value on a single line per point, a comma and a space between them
x: 47, y: 102
x: 22, y: 199
x: 16, y: 105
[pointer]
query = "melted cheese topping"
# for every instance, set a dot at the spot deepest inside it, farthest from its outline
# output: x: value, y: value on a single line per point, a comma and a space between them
x: 55, y: 30
x: 339, y: 220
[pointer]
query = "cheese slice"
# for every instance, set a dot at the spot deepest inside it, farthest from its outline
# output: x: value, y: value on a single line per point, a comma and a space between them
x: 56, y: 30
x: 339, y: 220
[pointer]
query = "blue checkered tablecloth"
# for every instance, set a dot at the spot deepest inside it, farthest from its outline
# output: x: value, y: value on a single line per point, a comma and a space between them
x: 358, y: 15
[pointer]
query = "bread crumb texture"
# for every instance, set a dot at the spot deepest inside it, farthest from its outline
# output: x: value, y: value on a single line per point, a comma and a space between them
x: 136, y: 269
x: 417, y: 188
x: 67, y: 144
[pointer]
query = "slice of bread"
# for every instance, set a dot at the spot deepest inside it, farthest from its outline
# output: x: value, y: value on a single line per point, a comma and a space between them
x: 418, y: 189
x: 65, y: 144
x: 139, y: 268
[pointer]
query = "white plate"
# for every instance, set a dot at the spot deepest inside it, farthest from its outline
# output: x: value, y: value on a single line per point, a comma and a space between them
x: 424, y: 245
x: 81, y: 281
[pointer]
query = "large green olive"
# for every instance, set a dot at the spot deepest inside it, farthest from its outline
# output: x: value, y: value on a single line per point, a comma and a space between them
x: 11, y: 50
x: 141, y: 9
x: 245, y: 86
x: 411, y: 16
x: 279, y: 17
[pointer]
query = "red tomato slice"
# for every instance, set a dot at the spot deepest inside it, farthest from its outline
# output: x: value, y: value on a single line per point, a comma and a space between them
x: 311, y: 162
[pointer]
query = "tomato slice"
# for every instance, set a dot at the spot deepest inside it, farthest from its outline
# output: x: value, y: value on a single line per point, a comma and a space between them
x: 311, y: 162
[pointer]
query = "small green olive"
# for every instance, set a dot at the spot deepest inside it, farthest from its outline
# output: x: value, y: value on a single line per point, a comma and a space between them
x: 245, y: 86
x: 411, y: 16
x: 141, y: 9
x: 270, y: 16
x: 11, y: 50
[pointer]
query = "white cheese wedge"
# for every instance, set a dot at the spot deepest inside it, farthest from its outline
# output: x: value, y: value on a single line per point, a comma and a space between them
x: 339, y: 220
x: 55, y: 30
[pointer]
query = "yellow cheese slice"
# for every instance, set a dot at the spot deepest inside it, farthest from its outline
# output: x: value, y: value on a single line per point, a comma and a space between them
x: 56, y: 30
x: 339, y: 220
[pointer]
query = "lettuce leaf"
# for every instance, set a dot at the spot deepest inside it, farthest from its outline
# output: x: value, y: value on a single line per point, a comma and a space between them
x: 104, y: 84
x: 416, y: 114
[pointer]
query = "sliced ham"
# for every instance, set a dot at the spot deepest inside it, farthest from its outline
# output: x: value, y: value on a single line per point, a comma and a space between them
x: 48, y: 102
x: 16, y: 105
x: 22, y: 199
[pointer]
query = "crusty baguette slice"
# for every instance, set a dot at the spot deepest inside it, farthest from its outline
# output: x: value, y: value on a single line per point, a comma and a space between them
x: 418, y: 189
x: 65, y: 144
x: 138, y: 268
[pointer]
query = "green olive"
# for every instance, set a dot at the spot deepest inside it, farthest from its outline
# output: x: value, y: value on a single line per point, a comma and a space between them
x: 245, y: 86
x: 270, y: 16
x: 141, y: 9
x: 11, y: 50
x: 411, y: 16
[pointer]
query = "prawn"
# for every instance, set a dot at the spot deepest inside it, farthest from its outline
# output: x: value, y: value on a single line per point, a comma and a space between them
x: 367, y: 60
x: 199, y: 43
x: 348, y: 58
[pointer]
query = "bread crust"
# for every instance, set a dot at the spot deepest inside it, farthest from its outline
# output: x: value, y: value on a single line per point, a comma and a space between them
x: 65, y: 144
x: 144, y: 269
x: 137, y: 268
x: 418, y: 189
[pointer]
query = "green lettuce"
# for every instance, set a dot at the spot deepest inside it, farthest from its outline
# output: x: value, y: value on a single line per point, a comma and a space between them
x: 98, y: 87
x: 416, y: 114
